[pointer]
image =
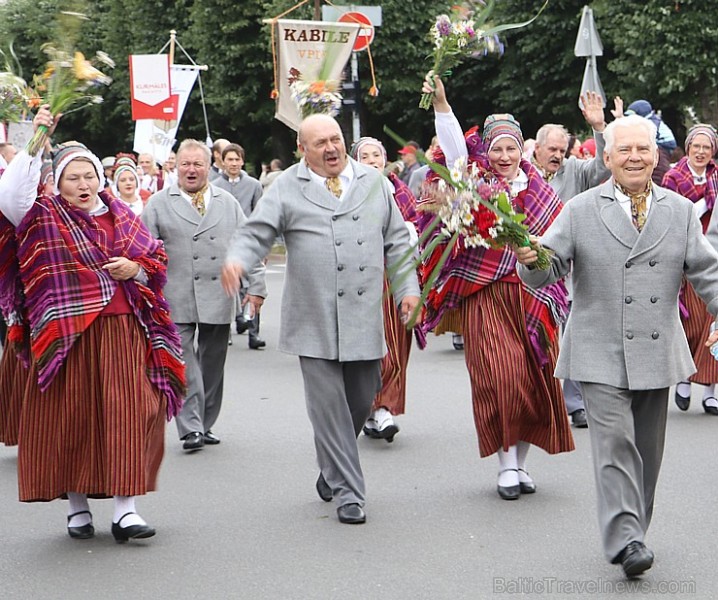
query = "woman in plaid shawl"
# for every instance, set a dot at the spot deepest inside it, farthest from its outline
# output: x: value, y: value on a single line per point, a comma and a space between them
x: 509, y: 330
x: 391, y: 399
x: 695, y: 176
x: 104, y: 355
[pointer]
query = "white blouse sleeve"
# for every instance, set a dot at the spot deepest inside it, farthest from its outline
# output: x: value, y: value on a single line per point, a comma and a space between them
x: 451, y: 137
x: 18, y: 186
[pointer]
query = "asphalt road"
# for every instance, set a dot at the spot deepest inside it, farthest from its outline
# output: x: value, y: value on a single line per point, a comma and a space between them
x: 242, y: 519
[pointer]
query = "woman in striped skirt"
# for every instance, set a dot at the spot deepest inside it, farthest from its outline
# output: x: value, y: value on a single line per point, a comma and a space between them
x: 391, y: 399
x: 695, y: 176
x: 104, y: 355
x: 509, y: 330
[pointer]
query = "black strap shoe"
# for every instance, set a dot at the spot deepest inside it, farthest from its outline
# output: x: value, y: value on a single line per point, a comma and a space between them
x: 83, y: 532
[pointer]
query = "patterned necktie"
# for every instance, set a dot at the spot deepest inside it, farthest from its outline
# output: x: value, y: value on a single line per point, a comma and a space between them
x: 639, y: 207
x: 334, y: 185
x: 198, y: 201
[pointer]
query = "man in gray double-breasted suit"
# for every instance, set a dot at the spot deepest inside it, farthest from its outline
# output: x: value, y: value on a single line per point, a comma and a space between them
x: 569, y: 177
x: 196, y: 222
x: 337, y: 247
x: 624, y: 341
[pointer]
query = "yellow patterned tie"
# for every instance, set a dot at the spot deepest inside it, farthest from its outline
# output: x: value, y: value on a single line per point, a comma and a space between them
x: 334, y: 185
x: 639, y: 206
x: 198, y: 201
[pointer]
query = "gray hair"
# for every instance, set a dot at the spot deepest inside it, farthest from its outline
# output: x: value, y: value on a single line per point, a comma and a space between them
x: 543, y: 132
x: 630, y: 121
x: 190, y: 144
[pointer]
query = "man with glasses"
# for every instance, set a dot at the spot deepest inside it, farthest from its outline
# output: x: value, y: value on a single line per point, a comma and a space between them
x: 196, y: 221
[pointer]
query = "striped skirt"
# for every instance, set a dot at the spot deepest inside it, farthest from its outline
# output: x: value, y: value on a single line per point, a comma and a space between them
x: 99, y: 428
x: 13, y: 378
x: 697, y: 328
x: 393, y: 366
x: 513, y: 398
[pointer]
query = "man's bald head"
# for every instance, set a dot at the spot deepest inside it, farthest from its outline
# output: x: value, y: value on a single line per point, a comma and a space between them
x: 321, y: 141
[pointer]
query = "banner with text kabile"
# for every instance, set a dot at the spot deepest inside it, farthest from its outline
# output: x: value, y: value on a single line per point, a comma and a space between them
x: 156, y: 136
x: 305, y: 48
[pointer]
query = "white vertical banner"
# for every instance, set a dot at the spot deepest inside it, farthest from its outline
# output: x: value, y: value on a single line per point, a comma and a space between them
x: 307, y: 48
x: 157, y: 137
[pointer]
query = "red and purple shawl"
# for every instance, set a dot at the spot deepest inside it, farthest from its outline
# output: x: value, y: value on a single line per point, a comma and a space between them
x: 680, y: 180
x: 468, y: 270
x: 60, y: 253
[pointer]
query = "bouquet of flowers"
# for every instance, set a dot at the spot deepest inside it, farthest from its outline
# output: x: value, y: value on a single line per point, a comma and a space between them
x: 474, y: 209
x: 69, y: 79
x: 14, y: 101
x: 316, y: 97
x: 465, y: 33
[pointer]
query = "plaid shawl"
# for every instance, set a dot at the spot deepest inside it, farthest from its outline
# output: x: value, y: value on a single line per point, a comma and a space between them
x: 468, y: 270
x: 404, y: 199
x: 60, y: 253
x: 680, y: 180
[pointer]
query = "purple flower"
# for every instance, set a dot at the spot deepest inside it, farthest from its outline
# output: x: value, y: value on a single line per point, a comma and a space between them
x: 485, y: 191
x: 443, y: 26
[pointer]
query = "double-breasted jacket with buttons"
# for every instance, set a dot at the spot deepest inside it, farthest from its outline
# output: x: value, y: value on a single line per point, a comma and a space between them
x: 196, y: 247
x: 624, y: 328
x: 336, y: 252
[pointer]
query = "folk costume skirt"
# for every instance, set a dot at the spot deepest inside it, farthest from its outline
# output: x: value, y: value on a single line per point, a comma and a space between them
x: 697, y: 328
x: 393, y: 366
x: 13, y: 378
x: 99, y: 427
x: 514, y: 399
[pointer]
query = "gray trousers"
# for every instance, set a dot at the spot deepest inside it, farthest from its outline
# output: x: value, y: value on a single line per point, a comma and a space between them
x: 339, y: 397
x: 572, y: 396
x: 204, y: 364
x: 627, y: 430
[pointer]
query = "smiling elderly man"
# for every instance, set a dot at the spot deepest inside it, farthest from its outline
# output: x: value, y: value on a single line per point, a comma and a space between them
x: 341, y: 226
x: 630, y: 244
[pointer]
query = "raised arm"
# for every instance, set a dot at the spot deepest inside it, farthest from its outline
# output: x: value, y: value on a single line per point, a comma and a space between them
x: 448, y: 129
x: 593, y: 171
x: 18, y: 185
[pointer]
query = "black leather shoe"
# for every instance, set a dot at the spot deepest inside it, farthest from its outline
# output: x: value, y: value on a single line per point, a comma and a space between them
x: 256, y: 343
x: 578, y: 418
x: 323, y: 489
x: 509, y: 492
x: 131, y: 532
x: 241, y: 325
x: 682, y: 402
x: 635, y: 558
x: 457, y: 341
x: 193, y: 441
x: 351, y: 514
x: 711, y: 410
x: 526, y: 487
x: 210, y: 438
x: 83, y: 532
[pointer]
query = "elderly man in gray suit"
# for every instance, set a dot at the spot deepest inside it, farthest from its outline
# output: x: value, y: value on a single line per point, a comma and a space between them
x: 569, y: 177
x: 340, y: 227
x: 630, y: 243
x: 196, y: 222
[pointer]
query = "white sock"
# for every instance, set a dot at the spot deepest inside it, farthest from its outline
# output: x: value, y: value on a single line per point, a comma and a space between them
x: 522, y: 449
x: 684, y: 389
x: 78, y: 503
x: 508, y: 466
x: 708, y: 392
x: 124, y: 505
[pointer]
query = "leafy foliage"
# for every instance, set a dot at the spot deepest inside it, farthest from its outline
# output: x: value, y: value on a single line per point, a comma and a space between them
x: 661, y: 50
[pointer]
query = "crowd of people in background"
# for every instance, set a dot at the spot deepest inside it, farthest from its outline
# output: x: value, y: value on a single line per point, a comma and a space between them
x: 161, y: 258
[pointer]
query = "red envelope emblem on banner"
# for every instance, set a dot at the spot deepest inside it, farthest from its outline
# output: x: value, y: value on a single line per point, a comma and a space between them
x: 150, y: 88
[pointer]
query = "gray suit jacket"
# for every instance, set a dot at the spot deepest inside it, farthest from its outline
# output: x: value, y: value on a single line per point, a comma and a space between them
x: 196, y: 247
x: 336, y: 252
x: 576, y: 175
x: 624, y: 328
